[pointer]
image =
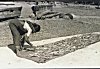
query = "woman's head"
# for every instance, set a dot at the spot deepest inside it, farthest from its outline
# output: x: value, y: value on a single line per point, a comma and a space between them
x: 35, y: 27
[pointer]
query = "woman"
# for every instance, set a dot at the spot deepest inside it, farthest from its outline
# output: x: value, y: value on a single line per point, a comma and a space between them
x: 21, y: 30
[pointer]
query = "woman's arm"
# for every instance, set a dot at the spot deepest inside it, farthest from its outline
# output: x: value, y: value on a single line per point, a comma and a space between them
x: 27, y: 40
x: 27, y: 27
x: 26, y: 36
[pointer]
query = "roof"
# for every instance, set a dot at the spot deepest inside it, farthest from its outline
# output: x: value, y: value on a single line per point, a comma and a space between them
x: 5, y: 5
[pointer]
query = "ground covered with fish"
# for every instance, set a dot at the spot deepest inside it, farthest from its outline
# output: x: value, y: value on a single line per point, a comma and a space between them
x: 44, y: 53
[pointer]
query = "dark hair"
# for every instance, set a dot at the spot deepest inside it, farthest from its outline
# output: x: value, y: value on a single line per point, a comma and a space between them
x: 35, y: 27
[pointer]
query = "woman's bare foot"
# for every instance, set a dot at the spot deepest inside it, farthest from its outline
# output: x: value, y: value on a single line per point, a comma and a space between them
x: 18, y: 53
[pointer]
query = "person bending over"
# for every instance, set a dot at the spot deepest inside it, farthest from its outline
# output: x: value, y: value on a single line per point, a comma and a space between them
x: 21, y: 30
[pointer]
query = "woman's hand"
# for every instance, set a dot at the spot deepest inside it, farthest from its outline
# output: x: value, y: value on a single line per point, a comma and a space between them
x: 26, y: 37
x: 27, y: 40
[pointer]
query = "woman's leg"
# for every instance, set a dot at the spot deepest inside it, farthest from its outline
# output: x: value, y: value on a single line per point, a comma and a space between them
x: 16, y: 35
x: 22, y: 41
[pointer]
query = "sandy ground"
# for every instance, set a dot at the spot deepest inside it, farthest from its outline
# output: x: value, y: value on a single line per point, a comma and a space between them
x: 87, y: 57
